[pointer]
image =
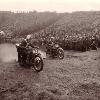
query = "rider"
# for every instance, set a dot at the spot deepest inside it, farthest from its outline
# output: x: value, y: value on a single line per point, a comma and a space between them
x: 51, y: 42
x: 93, y: 44
x: 24, y: 46
x: 51, y: 45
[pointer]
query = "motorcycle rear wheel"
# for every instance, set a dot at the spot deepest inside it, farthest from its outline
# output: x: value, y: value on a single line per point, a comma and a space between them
x: 60, y: 53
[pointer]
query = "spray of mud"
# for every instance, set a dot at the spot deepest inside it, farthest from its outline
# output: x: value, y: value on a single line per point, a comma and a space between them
x: 8, y: 53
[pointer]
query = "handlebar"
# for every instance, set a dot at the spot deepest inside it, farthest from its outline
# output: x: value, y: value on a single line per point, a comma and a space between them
x: 35, y: 48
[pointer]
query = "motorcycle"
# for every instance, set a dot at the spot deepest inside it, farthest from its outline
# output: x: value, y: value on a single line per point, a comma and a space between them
x: 55, y: 51
x: 33, y: 58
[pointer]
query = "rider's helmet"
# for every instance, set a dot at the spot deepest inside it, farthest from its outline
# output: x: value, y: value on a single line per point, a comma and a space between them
x: 52, y: 39
x: 28, y: 38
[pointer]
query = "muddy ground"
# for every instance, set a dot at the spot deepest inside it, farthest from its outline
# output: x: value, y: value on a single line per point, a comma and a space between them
x: 76, y: 77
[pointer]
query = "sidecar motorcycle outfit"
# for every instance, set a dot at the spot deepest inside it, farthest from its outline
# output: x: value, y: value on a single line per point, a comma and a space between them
x: 28, y: 55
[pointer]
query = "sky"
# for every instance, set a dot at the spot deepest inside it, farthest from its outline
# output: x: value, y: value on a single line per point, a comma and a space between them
x: 50, y: 5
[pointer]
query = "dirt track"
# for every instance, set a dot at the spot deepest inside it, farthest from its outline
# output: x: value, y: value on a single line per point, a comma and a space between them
x: 76, y: 77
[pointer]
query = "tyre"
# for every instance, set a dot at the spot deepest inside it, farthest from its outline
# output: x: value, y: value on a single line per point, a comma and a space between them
x: 60, y: 53
x: 38, y: 63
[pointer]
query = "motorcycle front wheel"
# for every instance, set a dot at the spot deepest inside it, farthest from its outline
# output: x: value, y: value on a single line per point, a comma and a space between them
x: 38, y: 64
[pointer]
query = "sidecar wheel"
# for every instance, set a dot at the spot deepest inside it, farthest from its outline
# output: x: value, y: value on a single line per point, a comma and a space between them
x: 38, y: 64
